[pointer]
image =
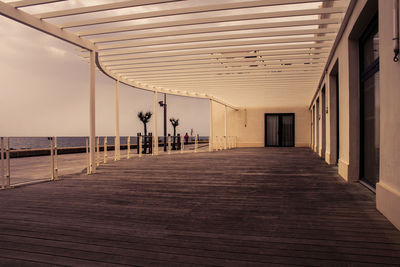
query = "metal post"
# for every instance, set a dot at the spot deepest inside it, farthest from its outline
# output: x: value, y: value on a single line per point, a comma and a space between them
x: 155, y: 130
x: 8, y: 165
x: 195, y: 143
x: 117, y: 143
x: 211, y: 138
x: 165, y: 122
x: 226, y: 128
x: 105, y: 149
x: 169, y: 144
x: 92, y: 111
x: 51, y: 158
x: 2, y: 162
x: 128, y: 155
x: 140, y: 146
x: 87, y: 156
x: 98, y: 151
x: 55, y: 158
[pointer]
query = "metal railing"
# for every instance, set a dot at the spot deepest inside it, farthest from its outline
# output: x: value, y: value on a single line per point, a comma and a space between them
x: 142, y: 144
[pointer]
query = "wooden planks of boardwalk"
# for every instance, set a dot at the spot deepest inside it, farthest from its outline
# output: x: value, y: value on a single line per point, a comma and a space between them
x: 243, y: 207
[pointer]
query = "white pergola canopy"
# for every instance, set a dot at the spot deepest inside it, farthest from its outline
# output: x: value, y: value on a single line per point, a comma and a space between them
x: 241, y: 53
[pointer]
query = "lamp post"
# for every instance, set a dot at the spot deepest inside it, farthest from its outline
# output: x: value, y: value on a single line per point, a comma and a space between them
x: 164, y: 104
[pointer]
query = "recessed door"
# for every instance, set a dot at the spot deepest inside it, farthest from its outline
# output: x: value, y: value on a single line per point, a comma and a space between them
x: 279, y: 130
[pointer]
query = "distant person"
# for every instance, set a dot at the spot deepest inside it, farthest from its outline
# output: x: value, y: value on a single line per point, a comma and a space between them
x: 186, y: 138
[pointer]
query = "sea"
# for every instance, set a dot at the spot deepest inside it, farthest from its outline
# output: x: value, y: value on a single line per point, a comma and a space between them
x: 65, y: 141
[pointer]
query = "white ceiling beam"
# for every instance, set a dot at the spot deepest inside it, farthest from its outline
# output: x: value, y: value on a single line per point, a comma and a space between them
x: 216, y: 44
x: 215, y: 19
x: 242, y: 71
x: 208, y: 63
x: 267, y: 55
x: 26, y: 3
x: 181, y: 11
x: 43, y: 26
x: 214, y: 29
x: 98, y: 8
x: 202, y: 38
x: 227, y: 51
x: 227, y: 66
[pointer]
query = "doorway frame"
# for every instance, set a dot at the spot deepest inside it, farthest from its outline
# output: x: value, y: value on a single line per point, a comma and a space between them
x: 280, y: 126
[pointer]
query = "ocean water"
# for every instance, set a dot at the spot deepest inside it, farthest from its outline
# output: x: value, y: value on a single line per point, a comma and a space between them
x: 65, y: 141
x: 44, y: 142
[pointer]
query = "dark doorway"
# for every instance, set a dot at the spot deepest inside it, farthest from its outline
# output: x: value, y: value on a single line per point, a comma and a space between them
x: 279, y: 129
x: 323, y: 124
x: 370, y: 104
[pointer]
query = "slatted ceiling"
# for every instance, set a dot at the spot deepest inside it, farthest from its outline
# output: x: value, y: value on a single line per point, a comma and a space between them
x: 186, y: 10
x: 27, y: 3
x: 206, y: 46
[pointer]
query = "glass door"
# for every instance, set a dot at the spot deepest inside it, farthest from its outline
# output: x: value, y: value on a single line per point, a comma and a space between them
x: 279, y: 130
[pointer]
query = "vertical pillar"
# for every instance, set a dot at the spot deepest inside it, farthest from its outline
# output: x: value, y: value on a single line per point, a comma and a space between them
x: 87, y: 156
x: 128, y: 152
x: 226, y: 130
x: 155, y: 134
x: 8, y: 165
x: 92, y: 112
x: 52, y: 157
x: 211, y: 138
x: 55, y: 159
x: 105, y: 149
x: 2, y: 162
x: 117, y: 145
x: 98, y: 151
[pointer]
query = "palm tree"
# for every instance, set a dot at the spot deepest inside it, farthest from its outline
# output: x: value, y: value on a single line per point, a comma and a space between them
x: 145, y: 118
x: 175, y: 123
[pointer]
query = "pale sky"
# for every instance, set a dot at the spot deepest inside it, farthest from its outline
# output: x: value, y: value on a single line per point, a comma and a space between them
x: 45, y: 92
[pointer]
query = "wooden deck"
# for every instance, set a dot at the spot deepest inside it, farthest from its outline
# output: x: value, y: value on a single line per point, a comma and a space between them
x: 243, y: 207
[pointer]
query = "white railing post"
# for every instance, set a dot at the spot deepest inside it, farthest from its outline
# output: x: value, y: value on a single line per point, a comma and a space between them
x: 55, y: 158
x: 98, y: 151
x: 128, y: 149
x: 182, y: 144
x: 51, y: 158
x: 2, y: 163
x: 105, y: 149
x: 195, y: 143
x: 169, y: 144
x: 140, y: 145
x: 211, y: 137
x: 87, y: 156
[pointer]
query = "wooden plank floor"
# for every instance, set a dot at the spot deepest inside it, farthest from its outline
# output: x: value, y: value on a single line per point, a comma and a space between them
x: 243, y: 207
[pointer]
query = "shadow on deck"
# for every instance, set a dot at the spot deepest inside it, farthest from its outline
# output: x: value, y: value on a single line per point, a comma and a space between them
x: 251, y: 206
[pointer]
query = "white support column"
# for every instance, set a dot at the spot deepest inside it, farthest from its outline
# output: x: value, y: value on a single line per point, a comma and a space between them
x: 155, y: 130
x: 3, y: 182
x: 92, y: 112
x: 117, y: 143
x: 211, y: 138
x: 226, y: 129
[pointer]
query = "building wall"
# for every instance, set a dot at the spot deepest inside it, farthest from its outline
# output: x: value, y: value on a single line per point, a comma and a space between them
x: 346, y: 56
x: 388, y: 188
x: 248, y: 124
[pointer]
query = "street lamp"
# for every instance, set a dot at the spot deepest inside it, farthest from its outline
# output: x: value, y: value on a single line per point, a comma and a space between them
x: 164, y: 104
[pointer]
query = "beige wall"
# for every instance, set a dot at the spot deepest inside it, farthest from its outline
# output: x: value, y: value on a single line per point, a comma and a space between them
x: 388, y: 188
x: 347, y: 56
x: 252, y: 135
